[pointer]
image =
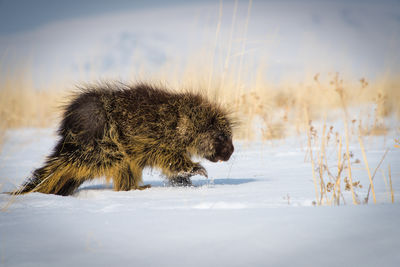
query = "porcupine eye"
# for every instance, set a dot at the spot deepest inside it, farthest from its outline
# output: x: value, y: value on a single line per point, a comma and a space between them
x: 221, y: 137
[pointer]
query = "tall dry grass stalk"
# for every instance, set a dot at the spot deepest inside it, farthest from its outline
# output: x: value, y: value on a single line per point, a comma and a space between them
x: 367, y: 166
x: 336, y: 189
x: 243, y: 48
x: 309, y: 137
x: 340, y: 90
x: 322, y: 164
x: 215, y: 46
x: 391, y: 186
x: 373, y: 175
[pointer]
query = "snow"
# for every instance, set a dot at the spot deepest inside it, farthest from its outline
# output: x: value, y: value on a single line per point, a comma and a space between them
x: 255, y: 210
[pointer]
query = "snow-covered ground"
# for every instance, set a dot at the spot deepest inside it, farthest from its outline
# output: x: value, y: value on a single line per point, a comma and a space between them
x: 255, y: 210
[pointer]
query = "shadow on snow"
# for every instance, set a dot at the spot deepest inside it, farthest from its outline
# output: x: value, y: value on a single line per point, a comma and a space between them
x: 196, y: 183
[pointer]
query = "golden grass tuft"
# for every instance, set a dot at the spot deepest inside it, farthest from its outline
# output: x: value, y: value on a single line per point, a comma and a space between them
x: 22, y: 105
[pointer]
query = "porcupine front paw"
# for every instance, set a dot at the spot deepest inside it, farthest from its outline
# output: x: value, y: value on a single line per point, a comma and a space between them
x: 199, y: 170
x: 183, y: 178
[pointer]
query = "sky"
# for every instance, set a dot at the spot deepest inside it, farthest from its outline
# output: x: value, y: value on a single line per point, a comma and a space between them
x: 25, y: 15
x: 70, y: 41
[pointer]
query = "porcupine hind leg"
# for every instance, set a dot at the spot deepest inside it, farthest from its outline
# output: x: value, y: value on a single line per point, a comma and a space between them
x: 55, y: 177
x: 70, y: 186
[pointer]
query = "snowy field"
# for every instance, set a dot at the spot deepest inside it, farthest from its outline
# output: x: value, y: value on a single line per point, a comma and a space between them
x: 255, y: 210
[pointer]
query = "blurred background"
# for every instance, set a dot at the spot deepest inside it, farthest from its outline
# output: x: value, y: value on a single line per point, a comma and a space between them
x: 266, y: 59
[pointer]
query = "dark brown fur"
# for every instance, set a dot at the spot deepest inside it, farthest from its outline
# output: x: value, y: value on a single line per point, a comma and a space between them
x: 115, y: 130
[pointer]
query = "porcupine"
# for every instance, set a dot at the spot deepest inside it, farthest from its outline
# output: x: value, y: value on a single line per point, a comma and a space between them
x: 116, y: 130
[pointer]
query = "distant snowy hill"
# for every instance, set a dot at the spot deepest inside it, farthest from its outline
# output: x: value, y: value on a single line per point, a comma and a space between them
x: 290, y: 38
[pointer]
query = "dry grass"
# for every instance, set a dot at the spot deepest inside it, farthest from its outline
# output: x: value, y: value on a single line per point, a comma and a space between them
x: 391, y: 186
x: 367, y: 166
x: 22, y: 105
x: 328, y: 188
x: 329, y: 180
x: 373, y: 175
x: 277, y: 109
x: 280, y: 108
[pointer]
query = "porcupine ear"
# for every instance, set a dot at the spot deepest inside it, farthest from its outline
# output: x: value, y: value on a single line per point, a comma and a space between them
x: 212, y: 121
